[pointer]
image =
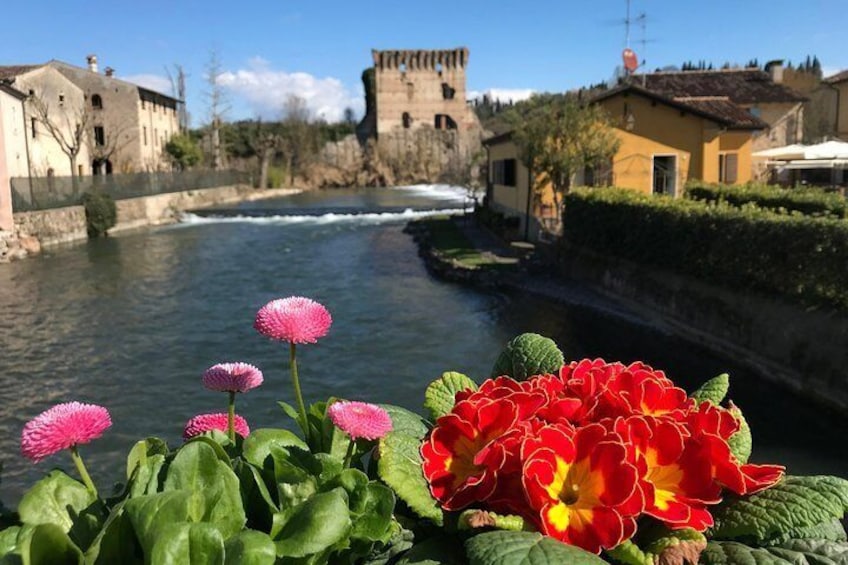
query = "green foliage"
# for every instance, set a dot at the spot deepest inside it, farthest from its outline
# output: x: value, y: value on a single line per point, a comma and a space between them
x: 741, y: 443
x: 276, y: 177
x: 184, y: 151
x: 714, y: 390
x: 100, y: 213
x: 795, y: 507
x: 526, y: 355
x: 524, y: 548
x: 794, y: 552
x: 440, y: 394
x: 793, y: 256
x: 807, y: 201
x: 400, y: 464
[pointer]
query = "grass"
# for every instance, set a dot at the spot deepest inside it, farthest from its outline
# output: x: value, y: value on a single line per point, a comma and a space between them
x: 451, y: 243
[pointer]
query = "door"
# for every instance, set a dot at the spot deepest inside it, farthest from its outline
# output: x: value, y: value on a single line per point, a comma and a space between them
x: 665, y: 174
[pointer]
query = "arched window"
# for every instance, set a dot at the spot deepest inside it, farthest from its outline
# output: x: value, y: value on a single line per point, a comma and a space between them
x: 407, y: 120
x: 96, y: 102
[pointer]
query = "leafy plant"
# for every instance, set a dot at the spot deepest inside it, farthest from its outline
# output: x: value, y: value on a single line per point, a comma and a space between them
x: 101, y: 213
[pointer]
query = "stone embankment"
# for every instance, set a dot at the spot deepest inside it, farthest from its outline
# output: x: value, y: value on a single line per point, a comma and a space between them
x: 800, y: 348
x: 63, y: 225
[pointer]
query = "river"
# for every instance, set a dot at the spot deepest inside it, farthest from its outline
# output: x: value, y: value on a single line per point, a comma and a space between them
x: 131, y: 322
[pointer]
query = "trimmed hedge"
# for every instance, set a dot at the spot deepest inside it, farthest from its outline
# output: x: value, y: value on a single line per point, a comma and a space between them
x: 796, y: 256
x: 808, y: 201
x: 100, y: 213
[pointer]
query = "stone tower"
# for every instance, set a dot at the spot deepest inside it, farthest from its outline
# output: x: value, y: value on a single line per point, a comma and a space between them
x: 421, y: 89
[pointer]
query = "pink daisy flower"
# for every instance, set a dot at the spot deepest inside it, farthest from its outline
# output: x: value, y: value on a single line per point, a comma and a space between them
x: 295, y: 319
x: 232, y: 377
x: 61, y: 427
x: 208, y: 422
x: 360, y: 419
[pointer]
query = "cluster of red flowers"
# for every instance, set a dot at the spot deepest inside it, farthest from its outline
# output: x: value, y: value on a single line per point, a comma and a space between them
x: 585, y: 453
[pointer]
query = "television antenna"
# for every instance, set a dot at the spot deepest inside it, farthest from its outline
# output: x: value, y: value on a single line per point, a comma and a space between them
x: 631, y: 62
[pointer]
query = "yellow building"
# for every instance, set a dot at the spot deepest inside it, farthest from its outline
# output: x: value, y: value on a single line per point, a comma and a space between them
x: 666, y: 142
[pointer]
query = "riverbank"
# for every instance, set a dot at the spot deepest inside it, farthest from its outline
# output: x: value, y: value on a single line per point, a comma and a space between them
x: 34, y: 230
x: 776, y: 340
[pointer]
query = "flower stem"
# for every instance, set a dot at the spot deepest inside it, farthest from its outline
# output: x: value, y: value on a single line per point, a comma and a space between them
x: 349, y: 453
x: 297, y: 394
x: 86, y: 479
x: 231, y: 418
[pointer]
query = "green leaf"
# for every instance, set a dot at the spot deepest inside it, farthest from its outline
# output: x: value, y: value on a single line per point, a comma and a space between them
x: 116, y: 541
x: 441, y: 550
x: 714, y: 390
x: 439, y: 397
x: 628, y: 553
x: 259, y: 505
x: 250, y: 548
x: 152, y: 513
x: 400, y: 468
x: 9, y: 539
x: 792, y: 552
x: 313, y: 527
x: 142, y: 451
x: 50, y: 545
x: 741, y: 443
x: 146, y: 478
x: 55, y: 499
x: 404, y: 421
x: 198, y: 468
x: 257, y: 446
x: 189, y: 544
x: 779, y: 513
x: 371, y: 508
x: 525, y: 548
x: 527, y: 355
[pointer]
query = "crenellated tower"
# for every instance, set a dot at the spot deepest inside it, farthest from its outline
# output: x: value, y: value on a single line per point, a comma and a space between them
x: 421, y: 89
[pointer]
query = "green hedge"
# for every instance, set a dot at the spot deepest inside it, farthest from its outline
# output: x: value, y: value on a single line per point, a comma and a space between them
x: 747, y: 248
x: 100, y: 213
x: 808, y: 201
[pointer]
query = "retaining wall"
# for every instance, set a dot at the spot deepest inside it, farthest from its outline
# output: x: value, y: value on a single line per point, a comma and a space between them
x: 805, y: 348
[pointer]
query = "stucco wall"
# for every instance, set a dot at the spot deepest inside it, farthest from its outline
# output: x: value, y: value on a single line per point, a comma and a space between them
x: 781, y: 340
x: 842, y: 111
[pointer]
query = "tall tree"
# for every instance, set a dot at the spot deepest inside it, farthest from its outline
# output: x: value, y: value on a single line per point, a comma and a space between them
x: 558, y: 136
x: 299, y: 138
x: 68, y: 125
x: 217, y: 105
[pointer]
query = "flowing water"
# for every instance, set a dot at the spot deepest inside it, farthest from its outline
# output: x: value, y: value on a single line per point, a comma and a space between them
x: 131, y: 322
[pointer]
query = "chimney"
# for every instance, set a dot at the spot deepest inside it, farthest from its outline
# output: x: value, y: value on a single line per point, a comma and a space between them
x: 109, y: 71
x: 92, y: 63
x: 775, y: 70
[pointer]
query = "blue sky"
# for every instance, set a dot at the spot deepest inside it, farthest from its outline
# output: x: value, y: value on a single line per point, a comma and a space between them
x: 318, y: 49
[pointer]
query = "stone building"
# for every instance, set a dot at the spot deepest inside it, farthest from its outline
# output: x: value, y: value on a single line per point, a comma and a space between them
x: 124, y: 126
x: 837, y: 85
x: 417, y: 117
x: 13, y: 161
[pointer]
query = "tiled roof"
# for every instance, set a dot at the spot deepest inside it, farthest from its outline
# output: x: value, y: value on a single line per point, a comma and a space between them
x: 838, y: 77
x: 742, y: 86
x: 719, y: 109
x: 11, y: 71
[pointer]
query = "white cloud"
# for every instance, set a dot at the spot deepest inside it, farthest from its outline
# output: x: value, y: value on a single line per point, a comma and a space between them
x: 153, y: 82
x: 266, y: 91
x: 502, y: 94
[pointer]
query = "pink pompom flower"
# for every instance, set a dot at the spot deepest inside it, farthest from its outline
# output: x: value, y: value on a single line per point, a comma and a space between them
x: 360, y: 419
x: 62, y: 427
x: 208, y: 422
x: 295, y: 319
x: 232, y: 377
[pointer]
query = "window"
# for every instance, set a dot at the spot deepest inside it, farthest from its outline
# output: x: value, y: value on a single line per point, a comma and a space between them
x: 32, y: 122
x: 503, y: 172
x: 407, y: 120
x: 99, y: 136
x: 96, y: 102
x: 443, y: 121
x: 143, y: 104
x: 448, y: 92
x: 61, y: 99
x: 144, y: 134
x: 156, y: 137
x: 727, y: 166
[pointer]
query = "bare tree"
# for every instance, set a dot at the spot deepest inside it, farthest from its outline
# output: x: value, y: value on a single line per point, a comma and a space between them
x: 178, y: 90
x: 299, y: 136
x: 218, y: 105
x: 68, y: 126
x: 105, y: 138
x: 266, y: 144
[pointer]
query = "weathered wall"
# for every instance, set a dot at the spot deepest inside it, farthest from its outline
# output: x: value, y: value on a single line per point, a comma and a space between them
x: 62, y: 225
x: 806, y: 349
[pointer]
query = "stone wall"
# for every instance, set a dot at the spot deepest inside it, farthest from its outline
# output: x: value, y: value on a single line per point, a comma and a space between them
x: 62, y: 225
x: 804, y: 348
